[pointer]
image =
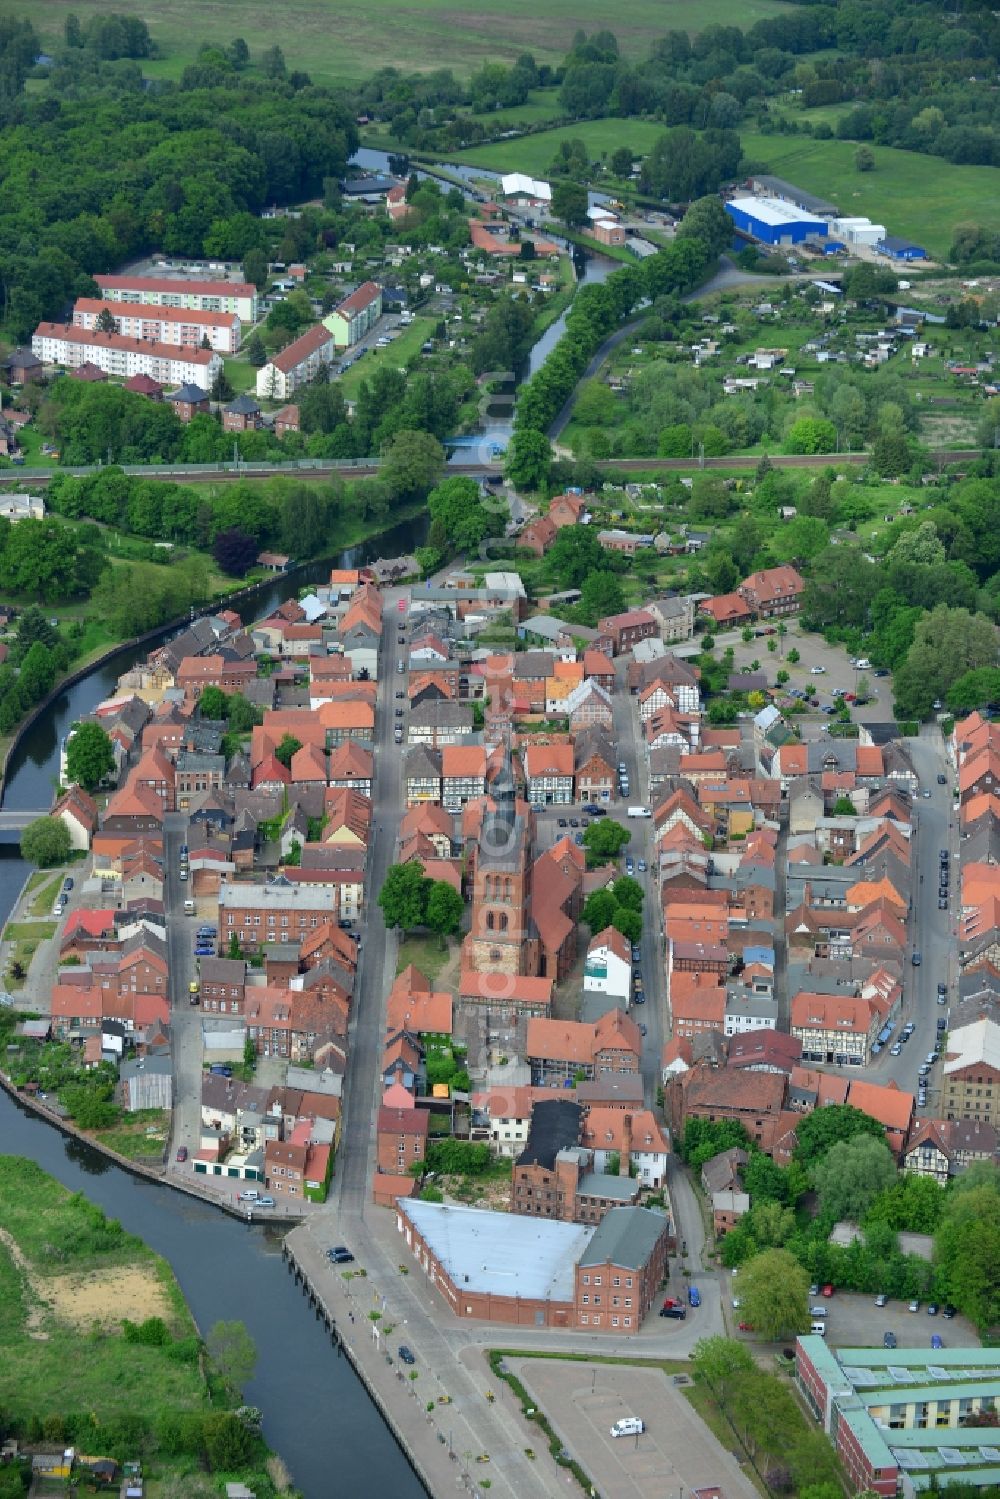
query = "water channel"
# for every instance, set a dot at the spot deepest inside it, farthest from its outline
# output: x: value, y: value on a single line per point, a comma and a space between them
x: 317, y: 1413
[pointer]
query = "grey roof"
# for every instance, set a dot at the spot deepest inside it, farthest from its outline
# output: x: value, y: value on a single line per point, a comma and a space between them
x: 441, y: 715
x: 201, y: 760
x: 149, y: 1066
x: 555, y: 1125
x: 244, y: 405
x: 223, y: 970
x: 782, y: 189
x: 422, y: 761
x: 625, y: 1236
x: 548, y: 626
x: 533, y: 665
x: 187, y: 394
x: 508, y: 1254
x: 600, y: 1184
x: 620, y: 1087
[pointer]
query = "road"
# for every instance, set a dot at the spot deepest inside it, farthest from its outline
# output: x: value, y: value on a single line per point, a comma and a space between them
x: 185, y: 1017
x: 932, y: 931
x: 377, y: 960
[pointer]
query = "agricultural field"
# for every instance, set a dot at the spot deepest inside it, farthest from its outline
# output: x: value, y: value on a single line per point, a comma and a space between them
x: 351, y: 40
x: 534, y: 153
x: 917, y: 197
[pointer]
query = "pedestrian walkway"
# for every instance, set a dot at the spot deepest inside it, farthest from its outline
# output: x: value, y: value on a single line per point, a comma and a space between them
x: 377, y: 1311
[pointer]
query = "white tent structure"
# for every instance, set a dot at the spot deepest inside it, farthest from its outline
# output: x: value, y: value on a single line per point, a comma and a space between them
x: 516, y: 184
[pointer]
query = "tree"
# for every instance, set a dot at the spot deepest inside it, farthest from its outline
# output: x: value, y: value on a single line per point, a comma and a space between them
x: 458, y: 506
x: 975, y: 689
x: 105, y: 321
x: 601, y: 595
x: 235, y: 552
x: 255, y: 351
x: 967, y: 1247
x: 444, y: 908
x: 529, y: 457
x: 605, y: 839
x: 704, y: 1138
x: 851, y: 1175
x: 719, y: 1362
x: 403, y: 896
x: 864, y: 159
x: 823, y: 1128
x: 45, y: 842
x: 706, y: 220
x: 570, y: 203
x: 213, y: 704
x: 288, y: 747
x: 89, y: 756
x: 844, y: 807
x: 947, y: 643
x: 773, y: 1294
x: 811, y: 434
x: 411, y: 465
x: 599, y: 909
x: 628, y: 893
x: 232, y: 1351
x: 621, y: 162
x: 629, y: 923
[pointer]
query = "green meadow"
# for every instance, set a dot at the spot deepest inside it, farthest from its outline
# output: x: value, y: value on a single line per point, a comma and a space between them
x: 351, y: 39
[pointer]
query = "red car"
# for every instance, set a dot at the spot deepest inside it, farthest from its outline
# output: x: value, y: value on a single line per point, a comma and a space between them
x: 746, y: 1327
x: 182, y: 1153
x: 827, y: 1291
x: 671, y: 1301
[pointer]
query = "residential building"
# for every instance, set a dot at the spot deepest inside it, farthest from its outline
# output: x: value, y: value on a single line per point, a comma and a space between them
x: 941, y: 1148
x: 352, y: 318
x: 608, y: 968
x: 774, y: 592
x: 237, y: 297
x: 970, y: 1087
x: 297, y: 364
x: 257, y: 912
x: 163, y: 325
x: 401, y: 1136
x: 561, y: 1049
x: 70, y: 347
x: 549, y: 774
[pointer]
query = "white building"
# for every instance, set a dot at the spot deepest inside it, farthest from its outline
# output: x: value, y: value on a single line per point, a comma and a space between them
x: 163, y: 325
x: 62, y: 344
x: 15, y: 507
x: 517, y: 185
x: 857, y: 231
x: 297, y: 364
x: 608, y: 969
x: 172, y: 291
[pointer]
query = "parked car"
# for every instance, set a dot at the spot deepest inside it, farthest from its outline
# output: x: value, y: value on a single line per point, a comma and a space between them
x: 182, y: 1153
x: 895, y: 1048
x: 933, y: 1309
x: 916, y: 959
x: 948, y: 1311
x: 694, y: 1296
x: 68, y: 882
x: 881, y: 1299
x: 915, y: 1304
x: 250, y: 1195
x: 936, y: 1340
x: 406, y: 1354
x: 678, y: 1312
x: 889, y: 1340
x: 827, y: 1291
x: 265, y: 1202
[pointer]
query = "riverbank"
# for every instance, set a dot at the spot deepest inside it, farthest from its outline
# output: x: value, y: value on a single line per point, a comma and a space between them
x: 100, y: 1350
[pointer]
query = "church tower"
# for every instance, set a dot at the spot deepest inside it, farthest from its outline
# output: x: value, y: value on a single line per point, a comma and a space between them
x: 502, y: 937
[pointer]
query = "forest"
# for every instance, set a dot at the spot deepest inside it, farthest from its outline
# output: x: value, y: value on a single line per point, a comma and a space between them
x: 106, y: 168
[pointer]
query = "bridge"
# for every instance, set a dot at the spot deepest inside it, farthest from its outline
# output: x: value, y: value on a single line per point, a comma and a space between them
x: 12, y: 821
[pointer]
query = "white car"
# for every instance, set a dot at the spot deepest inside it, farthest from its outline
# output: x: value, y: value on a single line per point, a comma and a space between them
x: 818, y: 671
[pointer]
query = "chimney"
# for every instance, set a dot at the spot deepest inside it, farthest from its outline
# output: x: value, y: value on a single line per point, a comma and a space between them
x: 626, y: 1155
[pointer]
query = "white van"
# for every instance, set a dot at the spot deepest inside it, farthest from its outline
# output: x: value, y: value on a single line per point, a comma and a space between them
x: 189, y: 908
x: 628, y: 1426
x: 819, y: 1328
x: 639, y: 812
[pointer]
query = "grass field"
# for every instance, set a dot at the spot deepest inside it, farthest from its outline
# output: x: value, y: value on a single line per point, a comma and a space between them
x: 397, y: 355
x: 534, y: 153
x: 917, y: 197
x: 64, y: 1270
x: 352, y: 39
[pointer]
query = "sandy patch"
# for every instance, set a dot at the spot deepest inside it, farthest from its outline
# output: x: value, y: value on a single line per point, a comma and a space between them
x: 106, y: 1297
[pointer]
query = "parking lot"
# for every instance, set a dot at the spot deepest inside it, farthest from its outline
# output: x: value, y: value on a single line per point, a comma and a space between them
x: 676, y: 1453
x: 854, y: 1321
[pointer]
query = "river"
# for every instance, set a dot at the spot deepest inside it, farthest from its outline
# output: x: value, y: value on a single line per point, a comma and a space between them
x: 317, y: 1413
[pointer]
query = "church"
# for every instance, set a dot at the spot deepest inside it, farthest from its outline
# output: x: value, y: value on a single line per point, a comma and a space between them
x: 524, y: 911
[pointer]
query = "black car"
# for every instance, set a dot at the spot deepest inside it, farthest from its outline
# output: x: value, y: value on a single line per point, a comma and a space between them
x: 406, y: 1354
x: 889, y: 1340
x: 340, y: 1255
x: 399, y: 712
x: 948, y: 1311
x: 677, y: 1312
x: 400, y: 694
x: 942, y: 780
x: 574, y: 822
x: 942, y: 903
x: 562, y: 822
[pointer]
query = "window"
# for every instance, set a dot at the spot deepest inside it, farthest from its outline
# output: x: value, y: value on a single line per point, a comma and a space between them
x: 614, y: 1321
x: 586, y: 1280
x: 586, y: 1300
x: 597, y: 1280
x: 616, y: 1280
x: 597, y: 1300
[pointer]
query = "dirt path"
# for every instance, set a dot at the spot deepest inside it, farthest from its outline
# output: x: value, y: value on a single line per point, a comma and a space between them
x: 33, y: 1312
